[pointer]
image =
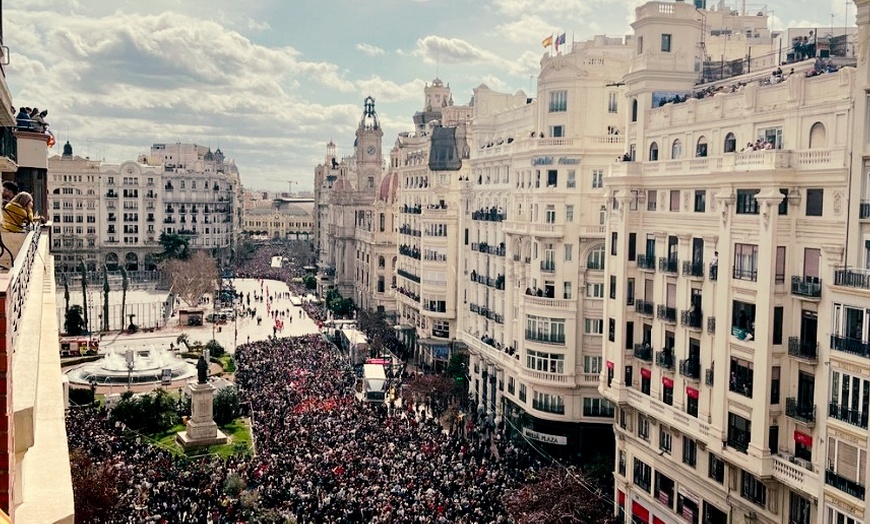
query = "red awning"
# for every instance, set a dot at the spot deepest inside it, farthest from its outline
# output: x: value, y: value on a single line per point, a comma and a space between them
x: 803, y: 439
x: 640, y: 512
x: 692, y: 392
x: 621, y: 498
x: 609, y: 365
x: 657, y: 520
x: 668, y: 383
x: 645, y: 373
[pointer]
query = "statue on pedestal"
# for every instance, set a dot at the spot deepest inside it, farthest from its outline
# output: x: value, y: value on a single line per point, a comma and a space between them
x: 202, y: 370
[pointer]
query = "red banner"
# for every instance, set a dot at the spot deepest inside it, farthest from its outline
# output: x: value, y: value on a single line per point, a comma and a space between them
x: 640, y: 512
x: 692, y: 393
x: 803, y: 439
x: 668, y: 383
x: 645, y: 373
x: 621, y: 498
x: 609, y: 365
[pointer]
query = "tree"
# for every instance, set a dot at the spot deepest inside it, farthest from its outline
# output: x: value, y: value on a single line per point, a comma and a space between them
x: 175, y: 247
x: 339, y: 305
x: 65, y: 294
x: 83, y: 269
x: 74, y: 324
x: 183, y: 339
x: 310, y: 281
x: 439, y: 388
x: 215, y: 349
x: 106, y: 299
x: 148, y: 413
x: 95, y: 488
x: 192, y: 279
x: 226, y: 406
x: 559, y: 496
x: 124, y: 285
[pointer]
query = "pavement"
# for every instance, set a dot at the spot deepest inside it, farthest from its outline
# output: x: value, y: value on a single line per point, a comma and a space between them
x: 232, y: 333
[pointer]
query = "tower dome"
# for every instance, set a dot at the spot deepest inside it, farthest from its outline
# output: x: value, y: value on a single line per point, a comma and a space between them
x: 389, y: 188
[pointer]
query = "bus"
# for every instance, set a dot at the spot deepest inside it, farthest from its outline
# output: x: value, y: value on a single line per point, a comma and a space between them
x: 355, y: 344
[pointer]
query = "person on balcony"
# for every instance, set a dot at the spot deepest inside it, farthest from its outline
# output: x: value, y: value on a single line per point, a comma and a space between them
x: 18, y: 214
x: 10, y: 189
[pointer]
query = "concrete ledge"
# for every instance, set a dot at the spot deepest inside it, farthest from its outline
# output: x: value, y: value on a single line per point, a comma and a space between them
x: 188, y: 443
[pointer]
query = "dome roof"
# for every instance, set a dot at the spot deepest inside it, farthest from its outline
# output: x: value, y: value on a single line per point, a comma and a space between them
x: 389, y: 187
x: 342, y: 185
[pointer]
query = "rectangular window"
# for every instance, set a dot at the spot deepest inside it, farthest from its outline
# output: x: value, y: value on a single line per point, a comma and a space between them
x: 552, y: 177
x: 815, y: 200
x: 665, y: 440
x: 675, y: 200
x: 651, y: 196
x: 550, y: 214
x: 597, y: 178
x: 593, y: 326
x: 595, y: 290
x: 572, y: 179
x: 569, y: 252
x: 613, y: 287
x: 690, y: 452
x: 558, y: 101
x: 645, y: 381
x: 779, y: 275
x: 640, y: 45
x: 777, y: 326
x: 598, y: 407
x: 591, y: 365
x: 566, y: 294
x: 613, y: 242
x: 746, y: 262
x: 739, y: 432
x: 753, y: 489
x: 692, y: 406
x: 612, y: 106
x: 642, y: 427
x: 664, y: 489
x: 569, y: 213
x: 850, y: 398
x: 746, y: 202
x: 700, y: 201
x: 642, y: 473
x: 557, y: 131
x: 632, y: 247
x: 783, y: 205
x: 666, y: 43
x: 716, y: 468
x: 522, y: 395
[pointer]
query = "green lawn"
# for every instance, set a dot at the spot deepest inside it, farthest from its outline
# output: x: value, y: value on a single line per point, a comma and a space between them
x: 228, y: 363
x: 238, y: 431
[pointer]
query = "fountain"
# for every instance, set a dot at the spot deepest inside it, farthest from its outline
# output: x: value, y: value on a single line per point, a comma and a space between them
x: 140, y: 366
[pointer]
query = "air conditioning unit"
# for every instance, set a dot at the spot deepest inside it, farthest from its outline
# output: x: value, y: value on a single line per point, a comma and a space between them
x: 806, y: 464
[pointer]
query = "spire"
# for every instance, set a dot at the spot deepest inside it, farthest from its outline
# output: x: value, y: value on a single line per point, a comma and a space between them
x: 369, y: 118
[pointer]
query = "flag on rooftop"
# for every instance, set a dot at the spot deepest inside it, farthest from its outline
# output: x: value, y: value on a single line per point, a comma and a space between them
x: 560, y: 40
x: 547, y: 42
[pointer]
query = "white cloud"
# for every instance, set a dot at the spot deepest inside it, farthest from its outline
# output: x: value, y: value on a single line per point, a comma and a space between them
x: 369, y: 49
x: 387, y: 90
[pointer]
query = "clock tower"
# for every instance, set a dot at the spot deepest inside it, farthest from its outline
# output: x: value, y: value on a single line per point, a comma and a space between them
x: 369, y: 157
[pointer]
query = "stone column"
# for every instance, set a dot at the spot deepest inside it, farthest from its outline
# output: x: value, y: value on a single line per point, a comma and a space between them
x: 201, y: 428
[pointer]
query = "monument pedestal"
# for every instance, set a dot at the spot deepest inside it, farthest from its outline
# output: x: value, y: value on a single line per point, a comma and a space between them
x: 201, y: 428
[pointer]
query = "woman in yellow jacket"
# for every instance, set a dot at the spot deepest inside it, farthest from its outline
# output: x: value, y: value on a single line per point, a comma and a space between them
x: 18, y: 214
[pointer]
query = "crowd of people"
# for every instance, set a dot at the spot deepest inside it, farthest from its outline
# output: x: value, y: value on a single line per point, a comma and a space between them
x: 321, y: 455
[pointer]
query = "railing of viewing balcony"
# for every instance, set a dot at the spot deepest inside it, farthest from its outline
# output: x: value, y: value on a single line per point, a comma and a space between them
x: 848, y: 415
x: 549, y: 338
x: 803, y: 349
x: 810, y: 287
x: 690, y: 368
x: 852, y: 346
x: 800, y: 411
x: 412, y: 210
x: 845, y: 485
x: 745, y: 273
x: 693, y: 269
x: 691, y: 318
x: 410, y: 276
x: 484, y: 311
x: 666, y: 313
x: 548, y: 266
x: 497, y: 282
x: 852, y: 277
x: 491, y: 215
x: 643, y: 352
x: 483, y: 247
x: 646, y: 262
x: 668, y: 265
x: 644, y: 308
x: 665, y: 359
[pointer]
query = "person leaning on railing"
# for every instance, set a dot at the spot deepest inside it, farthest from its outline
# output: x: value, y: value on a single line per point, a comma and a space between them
x: 18, y: 214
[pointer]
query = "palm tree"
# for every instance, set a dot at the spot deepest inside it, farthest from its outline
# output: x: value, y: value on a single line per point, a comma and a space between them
x: 65, y: 294
x: 84, y: 271
x: 106, y: 299
x: 124, y: 284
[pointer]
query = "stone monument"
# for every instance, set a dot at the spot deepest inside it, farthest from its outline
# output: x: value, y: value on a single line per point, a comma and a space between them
x: 201, y: 428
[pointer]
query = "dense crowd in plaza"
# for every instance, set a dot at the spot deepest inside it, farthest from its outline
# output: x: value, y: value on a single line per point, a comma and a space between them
x: 321, y: 456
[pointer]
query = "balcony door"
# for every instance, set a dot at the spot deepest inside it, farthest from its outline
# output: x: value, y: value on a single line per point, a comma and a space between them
x: 650, y: 245
x: 812, y: 256
x: 809, y: 327
x: 698, y: 251
x: 805, y: 393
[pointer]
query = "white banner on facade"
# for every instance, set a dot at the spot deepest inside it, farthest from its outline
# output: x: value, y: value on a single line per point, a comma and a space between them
x: 543, y: 437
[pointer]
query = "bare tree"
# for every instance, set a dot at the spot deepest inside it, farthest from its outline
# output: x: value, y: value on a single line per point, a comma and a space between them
x: 191, y: 279
x: 558, y: 496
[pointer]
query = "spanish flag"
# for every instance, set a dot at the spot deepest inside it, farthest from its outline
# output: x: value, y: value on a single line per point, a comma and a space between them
x: 547, y: 42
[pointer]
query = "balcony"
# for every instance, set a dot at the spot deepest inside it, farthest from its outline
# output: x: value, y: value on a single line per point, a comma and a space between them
x: 691, y: 319
x: 801, y: 412
x: 548, y: 407
x: 668, y: 314
x: 643, y: 352
x: 410, y: 276
x: 548, y: 338
x: 788, y: 472
x: 857, y: 278
x: 669, y: 265
x: 557, y: 303
x: 111, y: 194
x: 690, y: 368
x: 853, y: 346
x: 411, y: 210
x: 741, y: 383
x: 742, y: 273
x: 8, y: 149
x: 643, y: 307
x: 646, y: 262
x: 809, y: 287
x: 665, y: 359
x: 548, y: 266
x: 803, y: 349
x: 491, y: 215
x: 849, y: 416
x: 693, y: 269
x: 850, y: 487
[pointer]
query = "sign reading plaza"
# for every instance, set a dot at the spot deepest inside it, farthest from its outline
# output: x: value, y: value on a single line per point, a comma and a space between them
x: 544, y: 437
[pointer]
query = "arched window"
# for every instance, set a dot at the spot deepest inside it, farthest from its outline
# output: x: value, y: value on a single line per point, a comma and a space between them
x: 381, y: 262
x: 595, y: 260
x: 730, y: 145
x: 701, y: 147
x: 634, y: 110
x: 112, y: 261
x: 653, y: 152
x: 131, y: 262
x: 676, y: 149
x: 818, y: 136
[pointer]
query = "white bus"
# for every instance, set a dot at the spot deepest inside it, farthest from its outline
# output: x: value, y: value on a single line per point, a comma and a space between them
x: 372, y: 387
x: 355, y: 344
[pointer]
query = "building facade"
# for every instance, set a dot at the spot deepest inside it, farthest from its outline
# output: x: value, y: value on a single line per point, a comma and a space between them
x: 279, y: 218
x: 113, y: 214
x: 724, y: 228
x: 533, y: 283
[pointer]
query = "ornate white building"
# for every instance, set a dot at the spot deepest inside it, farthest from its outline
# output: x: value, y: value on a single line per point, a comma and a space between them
x: 353, y: 210
x: 723, y: 235
x: 533, y: 284
x: 113, y: 214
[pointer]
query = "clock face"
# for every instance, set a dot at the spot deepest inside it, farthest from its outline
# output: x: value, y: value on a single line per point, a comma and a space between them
x: 370, y: 150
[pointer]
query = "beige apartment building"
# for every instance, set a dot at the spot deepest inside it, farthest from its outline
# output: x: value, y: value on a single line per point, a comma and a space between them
x: 533, y: 281
x: 430, y: 165
x: 726, y: 227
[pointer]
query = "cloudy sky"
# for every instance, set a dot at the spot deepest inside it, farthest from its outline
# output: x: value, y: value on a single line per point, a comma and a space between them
x: 271, y: 81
